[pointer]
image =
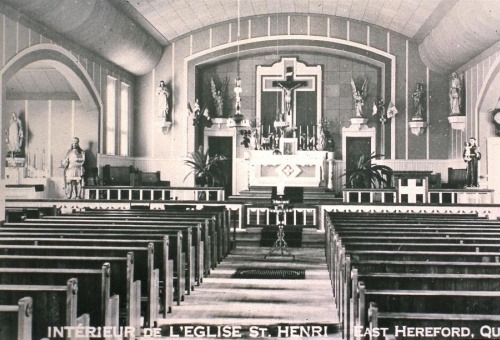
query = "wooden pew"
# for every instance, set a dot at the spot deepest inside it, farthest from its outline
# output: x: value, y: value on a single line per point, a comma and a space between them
x: 143, y: 260
x: 94, y: 285
x: 219, y: 214
x: 16, y: 321
x: 200, y: 234
x: 217, y: 225
x: 52, y: 237
x: 349, y: 240
x: 19, y: 214
x: 53, y: 305
x: 431, y: 321
x: 120, y: 276
x: 424, y: 301
x: 179, y: 240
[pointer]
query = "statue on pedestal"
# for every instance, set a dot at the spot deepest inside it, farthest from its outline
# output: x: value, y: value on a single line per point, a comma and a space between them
x: 418, y: 101
x: 163, y: 99
x: 359, y: 96
x: 14, y: 135
x: 455, y: 95
x: 218, y: 98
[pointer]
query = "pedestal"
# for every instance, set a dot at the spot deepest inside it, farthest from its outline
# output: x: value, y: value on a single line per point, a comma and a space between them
x: 417, y: 127
x: 457, y: 122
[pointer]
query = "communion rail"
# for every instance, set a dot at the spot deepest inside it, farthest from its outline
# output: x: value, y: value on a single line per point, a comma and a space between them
x: 154, y: 193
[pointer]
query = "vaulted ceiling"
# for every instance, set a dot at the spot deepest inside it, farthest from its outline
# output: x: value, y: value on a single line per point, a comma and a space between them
x: 176, y: 18
x: 449, y: 33
x: 39, y: 81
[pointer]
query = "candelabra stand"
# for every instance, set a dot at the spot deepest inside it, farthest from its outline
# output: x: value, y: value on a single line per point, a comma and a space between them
x: 280, y: 246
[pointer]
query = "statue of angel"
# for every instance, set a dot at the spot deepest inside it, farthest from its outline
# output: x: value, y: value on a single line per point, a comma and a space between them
x: 218, y: 100
x: 359, y: 97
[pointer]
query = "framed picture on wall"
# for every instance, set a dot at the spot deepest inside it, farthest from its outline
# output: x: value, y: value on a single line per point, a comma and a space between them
x: 288, y: 146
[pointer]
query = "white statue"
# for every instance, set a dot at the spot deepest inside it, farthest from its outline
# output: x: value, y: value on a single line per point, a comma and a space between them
x: 254, y: 140
x: 455, y: 94
x: 163, y: 99
x: 14, y: 135
x: 359, y: 97
x: 74, y: 170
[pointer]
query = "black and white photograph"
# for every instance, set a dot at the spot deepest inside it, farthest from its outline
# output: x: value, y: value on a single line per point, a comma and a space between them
x: 249, y: 169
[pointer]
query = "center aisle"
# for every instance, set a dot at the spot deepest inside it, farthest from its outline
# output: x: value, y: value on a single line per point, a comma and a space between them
x: 281, y: 307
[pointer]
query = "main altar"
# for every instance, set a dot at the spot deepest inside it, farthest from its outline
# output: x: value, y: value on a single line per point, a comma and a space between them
x: 303, y: 169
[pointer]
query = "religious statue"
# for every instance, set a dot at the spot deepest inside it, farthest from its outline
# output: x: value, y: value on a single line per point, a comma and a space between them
x: 200, y: 119
x: 163, y: 99
x: 73, y: 170
x: 418, y: 101
x: 218, y: 98
x: 254, y: 140
x: 455, y: 94
x: 14, y: 135
x: 359, y: 96
x: 321, y: 142
x: 471, y: 156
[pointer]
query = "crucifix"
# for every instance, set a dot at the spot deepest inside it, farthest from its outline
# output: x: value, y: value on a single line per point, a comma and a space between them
x: 288, y: 85
x: 278, y: 99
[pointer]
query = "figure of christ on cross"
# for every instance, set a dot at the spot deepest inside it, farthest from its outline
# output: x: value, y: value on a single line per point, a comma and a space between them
x: 288, y: 85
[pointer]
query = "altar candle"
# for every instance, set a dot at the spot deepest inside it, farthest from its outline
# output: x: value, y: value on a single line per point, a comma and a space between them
x: 300, y: 130
x: 307, y: 133
x: 314, y: 135
x: 34, y: 161
x: 269, y: 131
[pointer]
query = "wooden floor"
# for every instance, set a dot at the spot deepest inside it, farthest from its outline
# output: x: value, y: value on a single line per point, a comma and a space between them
x: 222, y: 300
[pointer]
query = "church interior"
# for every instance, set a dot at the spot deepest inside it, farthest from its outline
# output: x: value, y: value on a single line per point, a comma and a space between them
x: 304, y: 168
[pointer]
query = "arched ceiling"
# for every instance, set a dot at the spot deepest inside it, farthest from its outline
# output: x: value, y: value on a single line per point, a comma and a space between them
x: 37, y: 81
x: 143, y: 27
x: 176, y: 18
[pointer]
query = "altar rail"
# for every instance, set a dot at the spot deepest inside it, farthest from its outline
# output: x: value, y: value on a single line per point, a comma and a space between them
x: 435, y: 165
x: 466, y: 196
x: 154, y: 193
x: 297, y: 216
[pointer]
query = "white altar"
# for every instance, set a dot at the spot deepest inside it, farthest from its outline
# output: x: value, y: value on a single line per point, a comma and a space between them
x: 303, y: 169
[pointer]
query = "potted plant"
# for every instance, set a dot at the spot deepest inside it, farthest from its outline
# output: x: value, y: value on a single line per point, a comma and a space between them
x: 208, y: 170
x: 367, y: 175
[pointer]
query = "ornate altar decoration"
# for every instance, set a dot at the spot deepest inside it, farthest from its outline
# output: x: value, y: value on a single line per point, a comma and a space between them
x: 289, y: 115
x: 279, y: 86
